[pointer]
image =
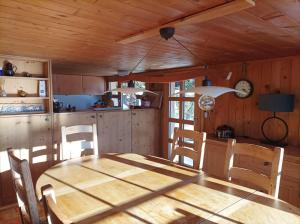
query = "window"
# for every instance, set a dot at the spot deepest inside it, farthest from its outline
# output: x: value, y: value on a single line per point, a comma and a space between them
x: 122, y: 99
x: 181, y: 113
x: 115, y: 95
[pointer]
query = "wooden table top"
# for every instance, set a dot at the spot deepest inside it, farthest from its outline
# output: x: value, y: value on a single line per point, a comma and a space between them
x: 130, y: 188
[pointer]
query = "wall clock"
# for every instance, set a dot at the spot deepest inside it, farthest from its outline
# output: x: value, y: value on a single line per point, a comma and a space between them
x: 245, y: 86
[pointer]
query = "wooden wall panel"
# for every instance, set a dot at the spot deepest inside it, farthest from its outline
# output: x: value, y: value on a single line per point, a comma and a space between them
x: 268, y: 76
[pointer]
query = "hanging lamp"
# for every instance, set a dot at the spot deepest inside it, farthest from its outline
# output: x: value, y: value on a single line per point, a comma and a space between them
x: 208, y: 93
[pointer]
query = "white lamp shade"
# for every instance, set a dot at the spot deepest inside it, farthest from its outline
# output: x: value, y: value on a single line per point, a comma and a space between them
x: 213, y: 91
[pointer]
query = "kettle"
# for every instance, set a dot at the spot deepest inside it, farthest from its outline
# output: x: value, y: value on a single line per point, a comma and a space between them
x: 9, y: 69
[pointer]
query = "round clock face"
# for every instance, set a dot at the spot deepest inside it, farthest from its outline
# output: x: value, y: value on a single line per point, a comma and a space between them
x: 245, y: 86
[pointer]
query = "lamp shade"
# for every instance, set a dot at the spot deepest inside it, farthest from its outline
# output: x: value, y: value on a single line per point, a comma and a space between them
x: 276, y: 102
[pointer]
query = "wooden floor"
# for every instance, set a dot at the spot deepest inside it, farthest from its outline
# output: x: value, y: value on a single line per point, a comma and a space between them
x: 9, y: 215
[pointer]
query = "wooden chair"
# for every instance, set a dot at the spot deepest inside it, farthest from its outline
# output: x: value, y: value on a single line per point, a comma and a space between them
x: 80, y: 129
x: 196, y: 153
x: 54, y: 215
x: 268, y: 183
x: 23, y: 186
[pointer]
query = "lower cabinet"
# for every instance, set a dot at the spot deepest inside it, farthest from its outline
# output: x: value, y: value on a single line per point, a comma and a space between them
x: 70, y: 119
x: 114, y: 131
x: 32, y: 136
x: 145, y: 131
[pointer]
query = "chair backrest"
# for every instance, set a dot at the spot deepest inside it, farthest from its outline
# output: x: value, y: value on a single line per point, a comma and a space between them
x: 196, y: 153
x: 54, y: 215
x: 80, y: 129
x: 274, y: 156
x: 23, y: 186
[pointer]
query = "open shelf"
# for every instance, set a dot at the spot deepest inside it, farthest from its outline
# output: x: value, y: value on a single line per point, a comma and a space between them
x: 24, y: 98
x: 22, y: 77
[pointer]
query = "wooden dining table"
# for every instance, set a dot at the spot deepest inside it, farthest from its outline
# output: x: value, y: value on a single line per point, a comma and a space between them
x: 130, y: 188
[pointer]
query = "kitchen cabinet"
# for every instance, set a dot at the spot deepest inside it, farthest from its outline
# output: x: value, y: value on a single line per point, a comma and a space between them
x: 93, y: 85
x: 114, y: 131
x: 32, y: 135
x: 78, y: 85
x: 145, y: 131
x: 77, y: 140
x: 67, y: 84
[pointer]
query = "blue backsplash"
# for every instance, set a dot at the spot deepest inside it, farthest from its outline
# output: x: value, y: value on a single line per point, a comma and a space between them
x: 81, y: 102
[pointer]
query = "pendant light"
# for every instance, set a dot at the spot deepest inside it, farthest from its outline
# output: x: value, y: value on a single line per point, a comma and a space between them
x: 131, y: 92
x: 208, y: 93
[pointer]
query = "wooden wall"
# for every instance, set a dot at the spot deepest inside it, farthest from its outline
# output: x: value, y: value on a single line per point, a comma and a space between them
x: 268, y: 76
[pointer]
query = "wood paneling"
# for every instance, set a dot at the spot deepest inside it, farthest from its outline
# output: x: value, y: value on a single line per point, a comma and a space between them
x: 268, y: 76
x: 82, y: 36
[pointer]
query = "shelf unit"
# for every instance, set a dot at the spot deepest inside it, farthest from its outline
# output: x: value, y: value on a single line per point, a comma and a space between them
x: 40, y: 70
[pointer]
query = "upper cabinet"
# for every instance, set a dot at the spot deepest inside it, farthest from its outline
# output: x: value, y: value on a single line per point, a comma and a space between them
x: 67, y: 84
x: 78, y: 85
x: 93, y: 85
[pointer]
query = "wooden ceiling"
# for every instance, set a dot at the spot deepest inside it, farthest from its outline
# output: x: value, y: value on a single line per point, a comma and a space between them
x: 80, y: 36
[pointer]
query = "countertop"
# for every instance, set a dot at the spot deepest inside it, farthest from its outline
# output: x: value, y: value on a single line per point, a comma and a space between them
x: 103, y: 110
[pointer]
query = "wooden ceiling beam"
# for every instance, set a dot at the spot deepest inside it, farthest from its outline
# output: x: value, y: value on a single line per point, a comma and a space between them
x: 200, y: 17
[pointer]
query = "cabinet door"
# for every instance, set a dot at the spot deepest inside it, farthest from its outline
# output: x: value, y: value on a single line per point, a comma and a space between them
x: 70, y: 119
x: 67, y: 84
x: 114, y: 131
x: 146, y: 131
x: 33, y: 137
x: 93, y: 85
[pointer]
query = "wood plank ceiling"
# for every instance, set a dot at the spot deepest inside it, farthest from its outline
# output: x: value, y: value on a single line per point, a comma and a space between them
x: 80, y: 36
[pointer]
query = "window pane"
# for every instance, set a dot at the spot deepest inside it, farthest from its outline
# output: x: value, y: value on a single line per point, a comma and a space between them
x: 172, y: 125
x: 124, y: 84
x: 116, y: 102
x: 124, y: 102
x: 188, y: 110
x: 188, y: 127
x: 174, y: 109
x: 187, y: 161
x: 188, y: 84
x: 174, y: 88
x: 113, y: 85
x: 141, y: 85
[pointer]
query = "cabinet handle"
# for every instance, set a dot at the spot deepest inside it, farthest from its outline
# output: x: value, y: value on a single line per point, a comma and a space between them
x: 46, y: 119
x: 93, y: 116
x: 133, y: 113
